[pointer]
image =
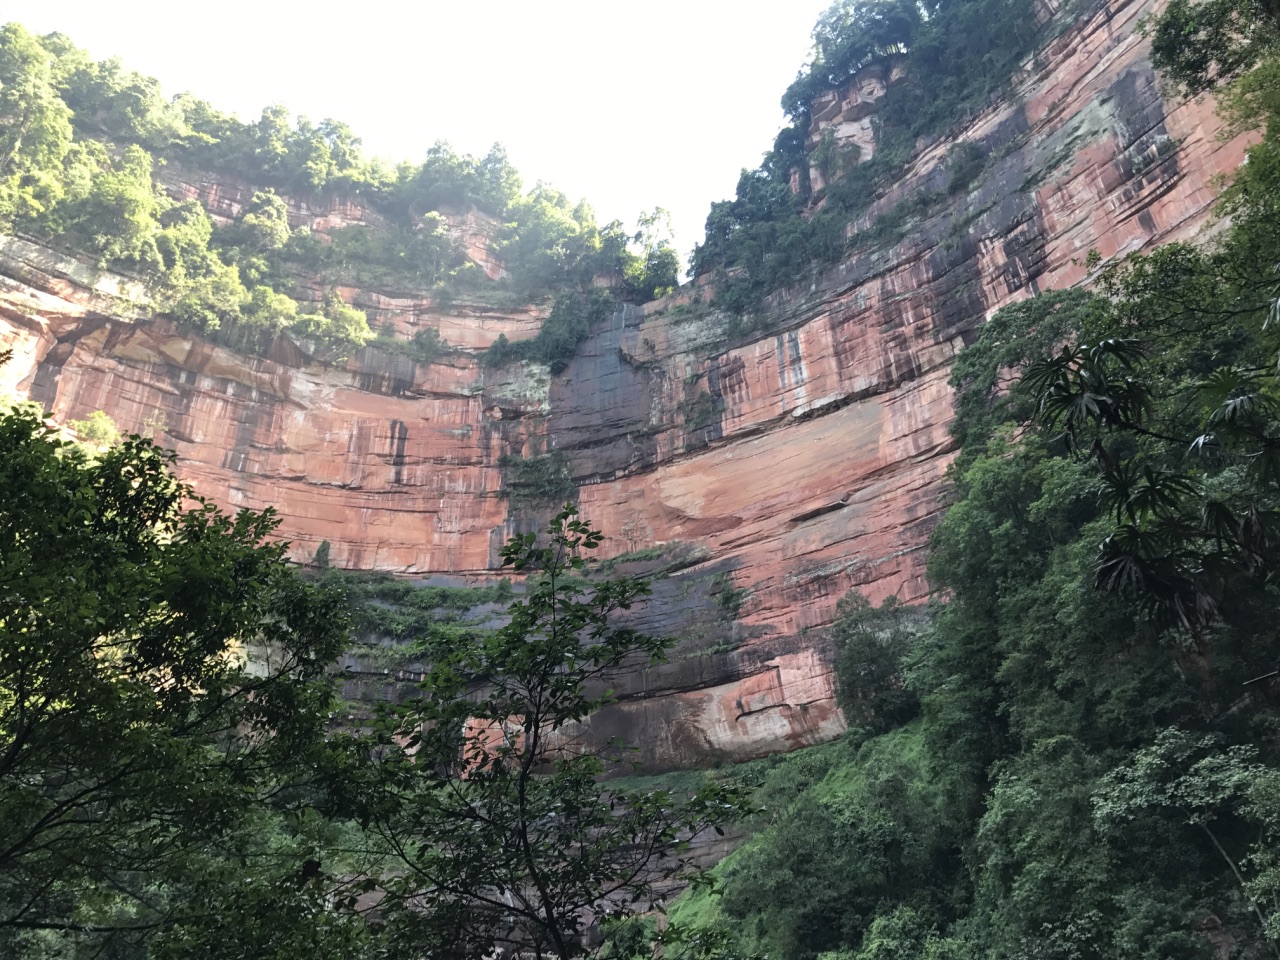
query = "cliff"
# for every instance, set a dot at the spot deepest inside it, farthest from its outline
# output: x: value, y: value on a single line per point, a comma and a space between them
x: 775, y: 470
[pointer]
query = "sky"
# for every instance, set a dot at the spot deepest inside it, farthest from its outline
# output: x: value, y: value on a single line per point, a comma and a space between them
x: 630, y: 106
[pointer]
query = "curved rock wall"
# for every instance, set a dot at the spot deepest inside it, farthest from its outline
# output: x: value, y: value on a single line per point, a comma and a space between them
x: 777, y: 470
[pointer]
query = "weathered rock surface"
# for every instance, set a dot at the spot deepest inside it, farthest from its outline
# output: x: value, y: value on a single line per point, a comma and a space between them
x: 779, y: 470
x: 844, y: 117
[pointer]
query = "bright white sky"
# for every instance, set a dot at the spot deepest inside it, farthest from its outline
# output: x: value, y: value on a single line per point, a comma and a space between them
x: 631, y: 106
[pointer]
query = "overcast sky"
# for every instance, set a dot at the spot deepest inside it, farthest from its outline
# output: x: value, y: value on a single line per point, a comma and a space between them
x: 631, y: 106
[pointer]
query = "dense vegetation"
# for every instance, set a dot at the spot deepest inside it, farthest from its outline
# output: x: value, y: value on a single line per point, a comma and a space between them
x: 157, y: 792
x: 396, y: 621
x: 952, y: 54
x: 90, y: 154
x: 501, y: 835
x: 177, y: 778
x: 1076, y: 754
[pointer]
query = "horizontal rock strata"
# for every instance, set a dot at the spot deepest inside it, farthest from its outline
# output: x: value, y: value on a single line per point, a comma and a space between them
x: 776, y: 470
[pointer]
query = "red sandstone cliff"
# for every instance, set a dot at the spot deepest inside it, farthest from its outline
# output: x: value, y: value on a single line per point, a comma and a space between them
x: 792, y: 466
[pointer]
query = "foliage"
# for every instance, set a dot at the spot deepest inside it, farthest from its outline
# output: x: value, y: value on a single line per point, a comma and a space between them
x: 80, y: 148
x: 449, y: 180
x: 728, y: 597
x: 985, y: 373
x: 868, y: 831
x: 570, y: 321
x: 964, y: 163
x: 702, y: 411
x: 631, y: 556
x: 537, y: 480
x: 654, y: 270
x: 339, y: 328
x: 1074, y: 756
x: 143, y: 763
x: 262, y: 227
x: 501, y: 834
x: 166, y: 772
x: 388, y: 606
x: 951, y: 62
x: 1089, y: 765
x: 1173, y: 400
x: 1200, y: 43
x: 83, y: 144
x: 97, y: 428
x: 971, y: 830
x: 1093, y: 766
x: 36, y: 128
x: 872, y: 645
x: 421, y: 256
x: 427, y: 345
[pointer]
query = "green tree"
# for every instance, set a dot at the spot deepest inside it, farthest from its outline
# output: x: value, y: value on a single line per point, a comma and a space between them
x: 161, y: 714
x: 1200, y: 43
x: 1204, y: 784
x: 450, y: 180
x: 339, y: 327
x: 655, y: 270
x: 35, y: 127
x: 872, y: 644
x: 195, y: 286
x: 501, y: 832
x: 117, y: 219
x: 548, y: 238
x: 98, y: 427
x: 106, y: 99
x: 264, y: 225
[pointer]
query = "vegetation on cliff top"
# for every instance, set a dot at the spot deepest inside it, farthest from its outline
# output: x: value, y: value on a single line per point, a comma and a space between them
x: 951, y: 56
x: 92, y: 157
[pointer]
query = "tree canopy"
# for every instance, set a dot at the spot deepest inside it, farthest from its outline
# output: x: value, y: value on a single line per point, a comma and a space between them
x: 162, y: 713
x: 172, y: 782
x: 89, y: 153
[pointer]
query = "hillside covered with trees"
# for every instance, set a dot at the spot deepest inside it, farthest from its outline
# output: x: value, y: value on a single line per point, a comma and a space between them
x: 86, y: 150
x: 1072, y: 753
x: 952, y: 58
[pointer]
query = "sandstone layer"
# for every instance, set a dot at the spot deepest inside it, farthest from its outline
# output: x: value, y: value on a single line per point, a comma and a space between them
x: 776, y: 471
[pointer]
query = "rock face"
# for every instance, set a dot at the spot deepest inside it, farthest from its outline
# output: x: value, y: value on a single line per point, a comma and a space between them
x: 845, y: 117
x: 776, y: 471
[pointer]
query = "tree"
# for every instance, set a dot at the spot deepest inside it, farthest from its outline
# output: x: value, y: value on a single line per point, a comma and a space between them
x: 35, y: 127
x: 117, y: 218
x: 265, y: 222
x: 161, y: 712
x: 338, y: 327
x: 1198, y: 781
x: 98, y: 427
x: 871, y: 644
x: 1200, y: 44
x: 655, y: 270
x: 1190, y: 535
x: 500, y: 832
